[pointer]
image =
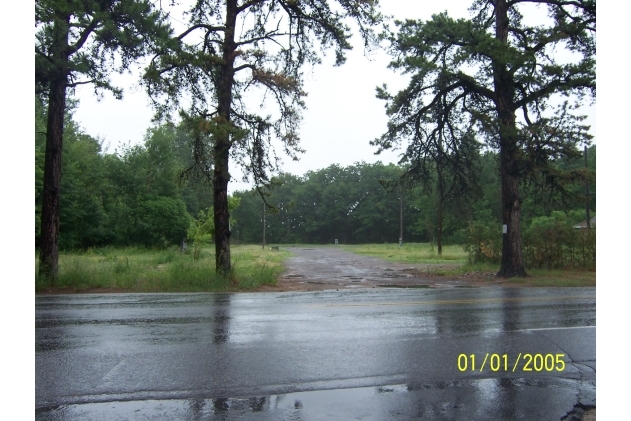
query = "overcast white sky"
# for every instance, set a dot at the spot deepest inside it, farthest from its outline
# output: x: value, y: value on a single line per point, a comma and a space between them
x: 342, y: 114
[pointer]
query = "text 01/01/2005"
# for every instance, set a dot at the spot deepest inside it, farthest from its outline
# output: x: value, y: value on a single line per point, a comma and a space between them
x: 529, y: 362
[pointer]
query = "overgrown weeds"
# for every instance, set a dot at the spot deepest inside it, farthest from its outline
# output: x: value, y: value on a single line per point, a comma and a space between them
x: 143, y: 270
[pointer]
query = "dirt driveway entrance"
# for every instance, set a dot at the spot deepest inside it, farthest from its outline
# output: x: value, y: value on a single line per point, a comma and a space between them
x: 319, y: 268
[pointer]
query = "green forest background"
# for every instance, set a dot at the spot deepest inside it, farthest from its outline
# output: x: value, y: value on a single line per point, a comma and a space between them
x: 138, y: 195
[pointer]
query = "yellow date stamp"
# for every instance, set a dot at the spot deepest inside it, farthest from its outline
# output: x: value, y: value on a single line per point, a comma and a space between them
x: 502, y: 362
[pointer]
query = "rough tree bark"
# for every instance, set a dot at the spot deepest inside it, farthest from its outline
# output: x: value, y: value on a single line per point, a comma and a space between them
x: 441, y: 195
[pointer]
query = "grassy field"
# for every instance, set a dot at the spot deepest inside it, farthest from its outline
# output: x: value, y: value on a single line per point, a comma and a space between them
x: 424, y: 253
x: 142, y: 270
x: 411, y: 252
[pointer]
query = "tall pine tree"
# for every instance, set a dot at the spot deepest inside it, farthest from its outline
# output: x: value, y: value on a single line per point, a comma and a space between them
x: 488, y: 69
x: 231, y: 48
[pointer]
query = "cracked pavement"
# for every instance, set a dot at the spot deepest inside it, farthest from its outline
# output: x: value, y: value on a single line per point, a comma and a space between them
x: 321, y: 268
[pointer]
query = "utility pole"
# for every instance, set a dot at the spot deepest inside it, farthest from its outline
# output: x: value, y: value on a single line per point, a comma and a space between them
x: 263, y: 225
x: 586, y: 191
x: 401, y: 220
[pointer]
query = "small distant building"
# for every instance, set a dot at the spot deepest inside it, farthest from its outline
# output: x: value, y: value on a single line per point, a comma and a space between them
x: 583, y: 224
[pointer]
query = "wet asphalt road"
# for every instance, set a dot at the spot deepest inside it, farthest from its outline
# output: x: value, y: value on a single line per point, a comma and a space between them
x: 370, y: 354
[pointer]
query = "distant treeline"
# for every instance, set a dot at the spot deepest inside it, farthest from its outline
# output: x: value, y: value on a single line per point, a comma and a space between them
x: 352, y: 205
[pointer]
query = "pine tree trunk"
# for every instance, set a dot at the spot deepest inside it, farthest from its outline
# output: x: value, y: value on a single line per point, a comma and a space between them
x: 49, y: 236
x: 401, y: 219
x: 439, y: 233
x: 221, y: 213
x: 221, y: 175
x: 512, y: 263
x: 441, y: 196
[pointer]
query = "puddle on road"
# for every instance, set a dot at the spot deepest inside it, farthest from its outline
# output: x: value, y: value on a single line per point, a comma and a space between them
x: 282, y: 405
x: 478, y: 400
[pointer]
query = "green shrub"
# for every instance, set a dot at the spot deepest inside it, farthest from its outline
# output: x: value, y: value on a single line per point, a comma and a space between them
x: 548, y: 242
x: 483, y: 241
x: 157, y: 222
x: 551, y: 242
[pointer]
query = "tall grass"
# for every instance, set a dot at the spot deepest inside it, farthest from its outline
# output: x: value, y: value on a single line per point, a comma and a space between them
x: 142, y: 270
